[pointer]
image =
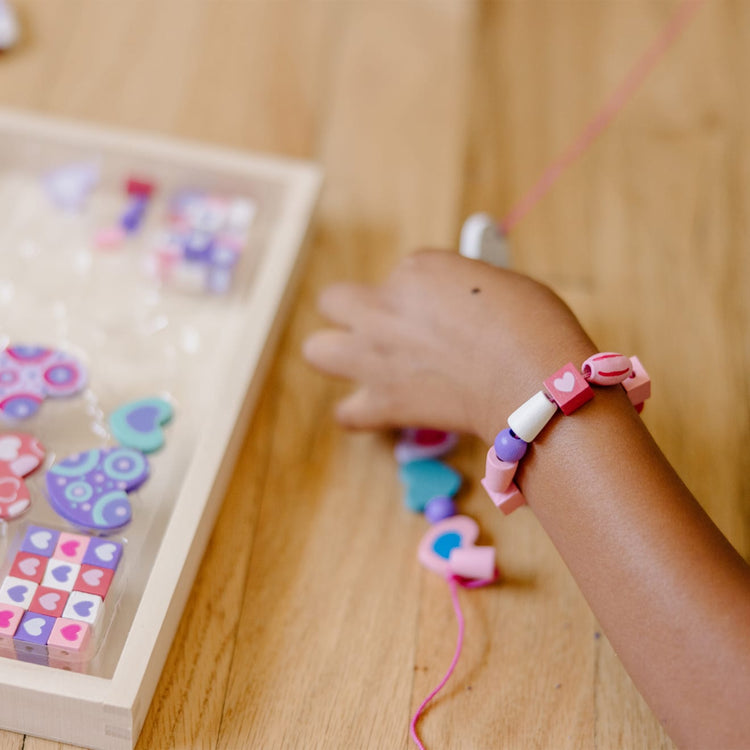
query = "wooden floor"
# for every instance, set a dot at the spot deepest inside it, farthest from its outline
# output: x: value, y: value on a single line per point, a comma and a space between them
x: 311, y: 625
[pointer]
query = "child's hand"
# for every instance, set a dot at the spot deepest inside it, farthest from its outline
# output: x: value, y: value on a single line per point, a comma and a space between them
x: 445, y: 342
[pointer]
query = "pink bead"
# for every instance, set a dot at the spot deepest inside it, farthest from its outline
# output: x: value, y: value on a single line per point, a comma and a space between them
x: 71, y: 547
x: 71, y: 635
x: 638, y: 385
x: 569, y: 389
x: 498, y: 474
x: 10, y: 616
x: 507, y: 501
x: 475, y: 563
x: 606, y: 368
x: 109, y: 238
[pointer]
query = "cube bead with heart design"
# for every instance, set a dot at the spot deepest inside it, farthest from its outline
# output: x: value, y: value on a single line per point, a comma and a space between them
x: 70, y: 635
x: 93, y: 580
x: 52, y: 601
x: 48, y: 601
x: 569, y: 389
x: 29, y: 566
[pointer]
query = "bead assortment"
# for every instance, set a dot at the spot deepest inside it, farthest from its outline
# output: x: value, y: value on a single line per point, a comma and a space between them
x: 449, y: 547
x: 20, y: 455
x: 430, y: 486
x: 203, y: 234
x: 30, y: 374
x: 567, y: 389
x: 201, y: 246
x: 52, y: 600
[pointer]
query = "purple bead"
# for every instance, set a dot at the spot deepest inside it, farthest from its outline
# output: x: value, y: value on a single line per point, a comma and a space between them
x: 34, y: 628
x: 439, y: 508
x: 131, y: 219
x: 509, y: 447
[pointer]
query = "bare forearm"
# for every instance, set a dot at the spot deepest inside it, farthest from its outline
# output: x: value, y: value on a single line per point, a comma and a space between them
x: 670, y: 592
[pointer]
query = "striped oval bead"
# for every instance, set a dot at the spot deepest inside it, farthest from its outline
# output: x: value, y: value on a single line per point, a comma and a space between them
x: 607, y: 368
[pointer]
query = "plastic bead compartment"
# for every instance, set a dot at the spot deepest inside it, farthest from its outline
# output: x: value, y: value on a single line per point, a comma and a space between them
x: 144, y: 339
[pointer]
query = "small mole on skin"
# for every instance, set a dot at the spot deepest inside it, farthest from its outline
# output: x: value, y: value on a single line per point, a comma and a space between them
x: 476, y: 290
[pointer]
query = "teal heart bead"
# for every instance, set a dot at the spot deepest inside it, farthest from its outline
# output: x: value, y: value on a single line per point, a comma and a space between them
x: 425, y: 479
x: 138, y: 424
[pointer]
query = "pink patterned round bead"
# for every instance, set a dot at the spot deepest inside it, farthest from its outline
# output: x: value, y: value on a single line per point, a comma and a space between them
x: 607, y: 368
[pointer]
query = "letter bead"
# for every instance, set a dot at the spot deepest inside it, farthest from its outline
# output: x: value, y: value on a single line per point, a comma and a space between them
x: 529, y: 419
x: 569, y: 389
x: 498, y: 474
x: 638, y: 385
x: 607, y: 368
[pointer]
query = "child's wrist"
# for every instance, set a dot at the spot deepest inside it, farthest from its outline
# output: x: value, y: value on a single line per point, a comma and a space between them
x: 566, y: 392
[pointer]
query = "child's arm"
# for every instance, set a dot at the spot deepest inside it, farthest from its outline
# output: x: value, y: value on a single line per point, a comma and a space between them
x: 456, y: 344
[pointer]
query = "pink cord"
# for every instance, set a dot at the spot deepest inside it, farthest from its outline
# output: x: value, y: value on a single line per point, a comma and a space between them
x: 454, y: 582
x: 645, y: 64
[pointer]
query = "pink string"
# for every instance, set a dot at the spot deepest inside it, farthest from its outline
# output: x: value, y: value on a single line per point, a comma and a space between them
x: 644, y: 65
x: 454, y: 582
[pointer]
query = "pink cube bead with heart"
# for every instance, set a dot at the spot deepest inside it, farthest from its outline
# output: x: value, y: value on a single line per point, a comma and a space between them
x: 49, y: 601
x: 638, y: 385
x: 71, y: 547
x: 94, y: 580
x: 508, y: 501
x: 31, y: 567
x: 498, y: 474
x: 569, y: 389
x: 70, y: 635
x: 10, y: 616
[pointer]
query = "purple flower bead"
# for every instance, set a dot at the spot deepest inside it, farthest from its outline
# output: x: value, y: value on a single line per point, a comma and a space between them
x: 509, y: 447
x: 439, y: 508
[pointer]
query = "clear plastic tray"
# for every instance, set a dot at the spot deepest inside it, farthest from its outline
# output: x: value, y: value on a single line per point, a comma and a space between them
x: 139, y: 336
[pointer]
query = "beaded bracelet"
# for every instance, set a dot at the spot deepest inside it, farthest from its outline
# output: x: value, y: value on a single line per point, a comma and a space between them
x: 567, y: 389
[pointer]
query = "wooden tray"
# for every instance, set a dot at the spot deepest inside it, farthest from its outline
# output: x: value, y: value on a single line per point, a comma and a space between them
x: 138, y: 337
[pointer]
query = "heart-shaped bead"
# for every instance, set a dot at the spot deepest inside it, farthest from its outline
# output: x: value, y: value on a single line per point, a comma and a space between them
x: 20, y: 454
x: 442, y: 538
x: 139, y: 424
x: 90, y: 489
x: 425, y: 479
x: 417, y: 443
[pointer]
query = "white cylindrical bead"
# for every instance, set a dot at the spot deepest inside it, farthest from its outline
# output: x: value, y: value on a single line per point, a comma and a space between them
x: 529, y: 419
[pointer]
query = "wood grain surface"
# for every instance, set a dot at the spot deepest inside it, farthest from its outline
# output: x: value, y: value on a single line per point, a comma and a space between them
x: 311, y: 625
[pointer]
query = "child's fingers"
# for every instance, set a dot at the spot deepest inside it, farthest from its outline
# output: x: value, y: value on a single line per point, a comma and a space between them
x: 337, y: 353
x: 364, y: 410
x: 348, y: 304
